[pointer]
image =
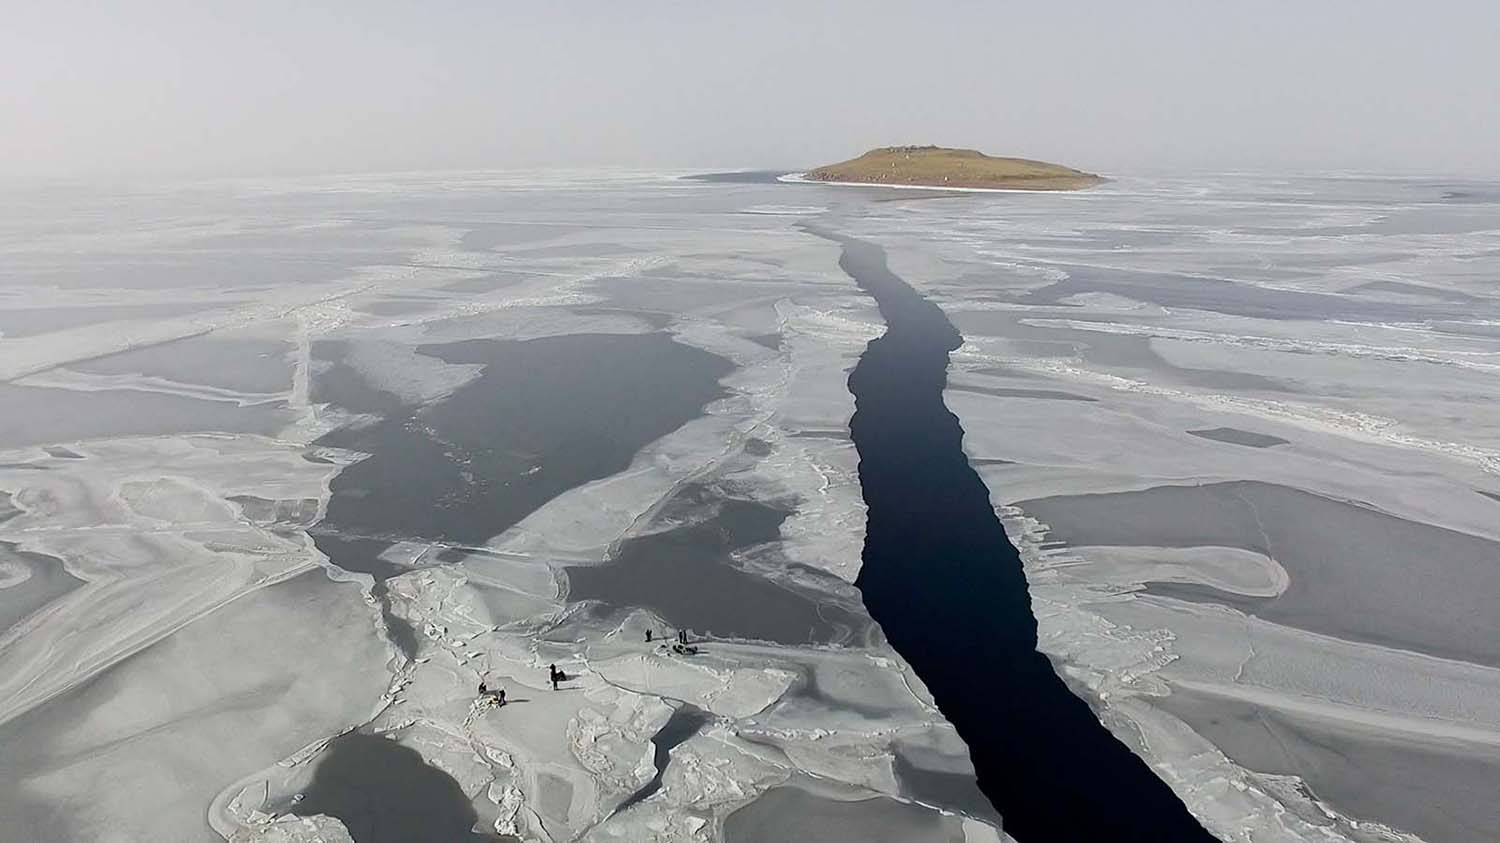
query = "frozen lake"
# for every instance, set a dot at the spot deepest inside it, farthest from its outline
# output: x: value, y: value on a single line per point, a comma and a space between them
x: 289, y: 468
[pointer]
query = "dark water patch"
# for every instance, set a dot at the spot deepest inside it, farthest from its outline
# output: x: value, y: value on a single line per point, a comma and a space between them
x: 947, y: 790
x: 31, y: 321
x: 257, y: 366
x: 682, y: 725
x: 690, y: 577
x: 1439, y: 789
x: 384, y: 792
x: 340, y: 384
x: 910, y: 195
x: 45, y: 581
x: 832, y: 697
x: 358, y: 555
x: 1235, y: 436
x: 790, y: 813
x: 544, y: 416
x: 42, y: 415
x: 1193, y: 592
x: 949, y: 592
x: 403, y: 637
x: 399, y: 306
x: 757, y: 447
x: 1006, y: 392
x: 61, y: 453
x: 771, y: 341
x: 1356, y: 572
x: 740, y: 177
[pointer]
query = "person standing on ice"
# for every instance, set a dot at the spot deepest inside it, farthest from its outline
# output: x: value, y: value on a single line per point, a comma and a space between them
x: 554, y: 674
x: 498, y: 695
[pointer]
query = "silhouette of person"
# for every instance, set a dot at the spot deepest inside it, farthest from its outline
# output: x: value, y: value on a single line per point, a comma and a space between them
x: 648, y: 636
x: 554, y: 674
x: 682, y: 637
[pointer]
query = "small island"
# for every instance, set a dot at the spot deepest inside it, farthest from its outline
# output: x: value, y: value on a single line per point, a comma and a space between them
x: 941, y: 167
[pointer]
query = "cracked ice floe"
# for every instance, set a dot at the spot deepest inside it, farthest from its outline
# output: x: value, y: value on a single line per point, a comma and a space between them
x: 496, y: 612
x: 1390, y: 418
x: 548, y: 258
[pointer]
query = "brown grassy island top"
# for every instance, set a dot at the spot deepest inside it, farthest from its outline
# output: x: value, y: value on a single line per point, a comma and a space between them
x: 936, y: 166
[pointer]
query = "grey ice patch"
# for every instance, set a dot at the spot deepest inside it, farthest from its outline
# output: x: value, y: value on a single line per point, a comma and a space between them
x: 1439, y: 789
x: 954, y: 791
x: 1404, y: 289
x: 29, y: 581
x: 242, y: 365
x: 1232, y: 298
x: 487, y: 237
x: 31, y: 321
x: 791, y: 813
x: 1235, y: 436
x: 43, y: 415
x: 296, y: 512
x: 1110, y: 351
x: 1007, y: 392
x: 819, y: 434
x: 676, y: 296
x: 234, y: 691
x: 1356, y: 572
x: 692, y: 576
x: 487, y: 283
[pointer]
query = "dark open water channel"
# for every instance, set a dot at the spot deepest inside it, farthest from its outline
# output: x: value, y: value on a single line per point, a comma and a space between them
x: 947, y: 587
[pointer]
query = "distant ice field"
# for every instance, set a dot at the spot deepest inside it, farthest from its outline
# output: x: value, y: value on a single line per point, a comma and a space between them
x: 289, y: 467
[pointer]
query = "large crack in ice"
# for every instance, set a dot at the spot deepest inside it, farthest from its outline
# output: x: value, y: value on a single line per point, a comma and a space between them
x: 948, y: 589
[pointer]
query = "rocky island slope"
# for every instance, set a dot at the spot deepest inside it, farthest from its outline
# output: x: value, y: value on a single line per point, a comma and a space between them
x: 936, y: 166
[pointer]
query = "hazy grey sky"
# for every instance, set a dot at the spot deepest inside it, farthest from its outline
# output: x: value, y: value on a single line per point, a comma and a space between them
x: 173, y: 87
